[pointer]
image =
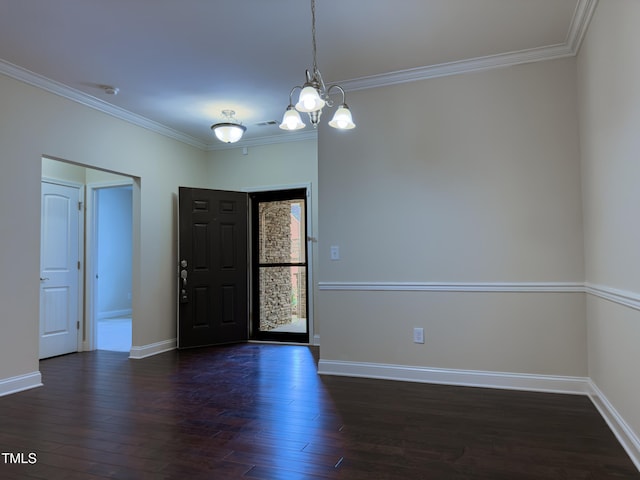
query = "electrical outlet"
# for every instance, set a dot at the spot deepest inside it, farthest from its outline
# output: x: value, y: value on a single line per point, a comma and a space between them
x: 418, y: 335
x: 335, y: 252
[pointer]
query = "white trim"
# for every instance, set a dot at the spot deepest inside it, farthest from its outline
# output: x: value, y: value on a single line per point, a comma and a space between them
x: 91, y: 213
x: 555, y: 287
x: 621, y: 297
x: 275, y: 342
x: 579, y: 24
x: 276, y: 188
x: 125, y: 312
x: 127, y: 182
x: 145, y: 351
x: 467, y: 378
x: 316, y: 340
x: 19, y: 383
x: 57, y: 181
x: 623, y: 432
x: 90, y: 101
x: 501, y: 380
x: 459, y: 67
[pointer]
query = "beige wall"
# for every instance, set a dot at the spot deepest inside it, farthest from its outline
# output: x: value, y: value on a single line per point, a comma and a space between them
x: 471, y: 179
x: 609, y: 76
x: 34, y: 123
x: 271, y: 166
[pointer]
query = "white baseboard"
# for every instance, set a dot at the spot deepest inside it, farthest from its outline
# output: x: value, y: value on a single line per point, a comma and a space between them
x: 625, y: 435
x: 127, y: 312
x: 145, y: 351
x: 512, y: 381
x: 21, y: 382
x: 469, y: 378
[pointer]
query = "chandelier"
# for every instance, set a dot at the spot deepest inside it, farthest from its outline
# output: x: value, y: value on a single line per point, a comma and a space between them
x: 315, y: 95
x: 229, y: 130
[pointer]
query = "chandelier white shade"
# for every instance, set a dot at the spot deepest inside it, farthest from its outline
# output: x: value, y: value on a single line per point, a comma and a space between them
x: 292, y: 120
x: 309, y: 100
x: 230, y: 130
x: 315, y: 95
x: 342, y: 118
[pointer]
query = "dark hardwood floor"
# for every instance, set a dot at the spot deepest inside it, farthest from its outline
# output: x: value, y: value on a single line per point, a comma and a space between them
x: 261, y: 412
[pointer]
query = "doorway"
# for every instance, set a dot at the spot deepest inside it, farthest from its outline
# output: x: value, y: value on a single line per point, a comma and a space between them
x: 112, y: 251
x: 88, y: 181
x: 243, y: 266
x: 279, y: 266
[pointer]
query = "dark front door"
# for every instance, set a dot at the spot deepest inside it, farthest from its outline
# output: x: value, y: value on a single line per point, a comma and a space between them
x: 213, y: 286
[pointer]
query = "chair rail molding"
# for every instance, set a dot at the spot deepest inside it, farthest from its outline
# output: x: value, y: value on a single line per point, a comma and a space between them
x: 622, y: 297
x: 526, y: 287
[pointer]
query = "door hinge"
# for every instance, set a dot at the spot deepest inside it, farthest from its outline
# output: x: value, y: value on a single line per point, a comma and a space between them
x: 78, y: 264
x: 78, y: 325
x: 80, y: 206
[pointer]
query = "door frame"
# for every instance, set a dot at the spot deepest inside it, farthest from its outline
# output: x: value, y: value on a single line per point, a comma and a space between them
x: 310, y: 254
x: 81, y: 249
x: 91, y: 213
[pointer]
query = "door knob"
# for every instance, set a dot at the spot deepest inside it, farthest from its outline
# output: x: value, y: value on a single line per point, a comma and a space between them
x: 44, y: 279
x: 183, y: 291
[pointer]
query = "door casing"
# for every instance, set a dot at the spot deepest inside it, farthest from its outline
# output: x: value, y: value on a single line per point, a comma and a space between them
x: 311, y: 240
x: 254, y: 199
x: 91, y: 266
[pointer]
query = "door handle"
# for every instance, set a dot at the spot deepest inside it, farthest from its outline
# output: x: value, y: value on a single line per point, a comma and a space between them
x: 44, y: 279
x: 183, y: 275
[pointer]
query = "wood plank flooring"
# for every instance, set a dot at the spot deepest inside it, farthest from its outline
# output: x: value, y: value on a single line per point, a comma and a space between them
x: 261, y: 412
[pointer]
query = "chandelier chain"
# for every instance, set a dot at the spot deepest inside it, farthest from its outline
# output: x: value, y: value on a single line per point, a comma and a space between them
x: 313, y: 34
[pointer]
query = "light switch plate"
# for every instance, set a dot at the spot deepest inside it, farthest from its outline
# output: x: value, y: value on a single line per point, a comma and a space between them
x: 418, y: 335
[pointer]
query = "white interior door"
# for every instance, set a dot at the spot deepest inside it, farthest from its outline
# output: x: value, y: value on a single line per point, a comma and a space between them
x: 59, y: 269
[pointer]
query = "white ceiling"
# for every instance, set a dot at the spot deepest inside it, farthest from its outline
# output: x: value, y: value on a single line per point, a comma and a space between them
x: 178, y: 63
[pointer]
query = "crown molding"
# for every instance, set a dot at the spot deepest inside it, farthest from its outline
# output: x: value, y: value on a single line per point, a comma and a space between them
x: 579, y: 24
x: 90, y: 101
x: 456, y: 68
x: 578, y: 27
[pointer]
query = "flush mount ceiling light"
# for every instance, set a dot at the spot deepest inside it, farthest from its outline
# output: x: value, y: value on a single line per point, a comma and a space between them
x: 315, y: 95
x: 229, y: 130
